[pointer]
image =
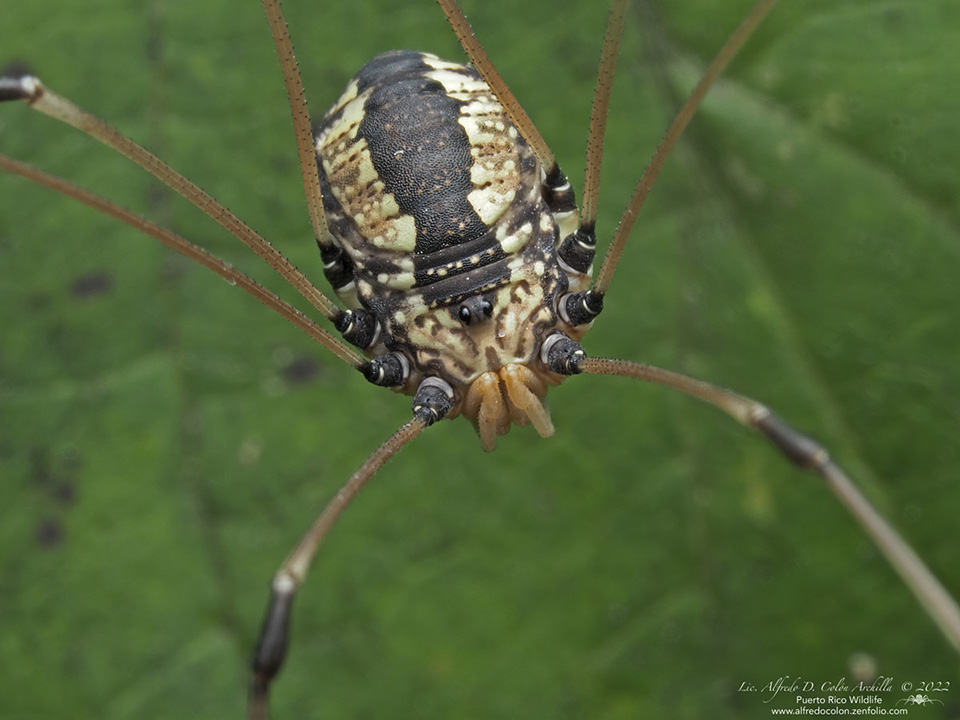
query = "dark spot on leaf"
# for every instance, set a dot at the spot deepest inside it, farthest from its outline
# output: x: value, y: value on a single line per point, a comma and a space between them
x: 65, y: 493
x: 894, y: 16
x: 40, y: 468
x: 765, y: 571
x: 301, y: 371
x: 49, y: 533
x: 56, y: 478
x: 91, y: 285
x: 38, y: 301
x: 157, y: 195
x: 280, y: 162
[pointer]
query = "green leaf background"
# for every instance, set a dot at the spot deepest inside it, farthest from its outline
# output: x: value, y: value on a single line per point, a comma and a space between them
x: 164, y: 441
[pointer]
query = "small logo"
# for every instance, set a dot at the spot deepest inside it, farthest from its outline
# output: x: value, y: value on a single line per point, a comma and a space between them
x: 919, y: 699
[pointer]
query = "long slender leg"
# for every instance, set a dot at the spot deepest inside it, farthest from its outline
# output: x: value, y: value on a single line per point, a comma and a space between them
x: 565, y: 356
x: 592, y: 300
x: 559, y: 194
x: 274, y: 633
x: 38, y: 97
x: 806, y: 453
x: 194, y: 252
x: 680, y: 122
x: 478, y: 56
x: 431, y: 402
x: 598, y: 115
x: 578, y: 249
x: 301, y: 125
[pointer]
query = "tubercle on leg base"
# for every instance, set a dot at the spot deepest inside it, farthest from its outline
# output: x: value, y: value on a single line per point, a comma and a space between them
x: 433, y: 400
x: 561, y: 354
x: 580, y: 308
x: 388, y: 370
x: 359, y: 327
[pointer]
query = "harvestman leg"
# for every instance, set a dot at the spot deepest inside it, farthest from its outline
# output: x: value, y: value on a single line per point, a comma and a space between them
x: 810, y: 455
x: 567, y: 357
x: 275, y: 631
x: 188, y: 249
x: 38, y: 97
x: 432, y: 400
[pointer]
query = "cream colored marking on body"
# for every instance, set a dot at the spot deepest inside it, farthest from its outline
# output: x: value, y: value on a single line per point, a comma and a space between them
x: 382, y: 225
x: 508, y: 338
x: 401, y: 281
x: 494, y: 170
x: 490, y: 204
x: 356, y: 184
x: 512, y: 243
x: 439, y: 63
x: 348, y: 94
x: 458, y: 84
x: 347, y: 124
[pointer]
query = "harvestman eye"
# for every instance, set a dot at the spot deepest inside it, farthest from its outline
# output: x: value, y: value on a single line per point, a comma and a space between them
x: 475, y: 311
x: 417, y: 310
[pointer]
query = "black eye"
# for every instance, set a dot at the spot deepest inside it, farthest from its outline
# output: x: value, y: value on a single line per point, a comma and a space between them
x: 474, y: 310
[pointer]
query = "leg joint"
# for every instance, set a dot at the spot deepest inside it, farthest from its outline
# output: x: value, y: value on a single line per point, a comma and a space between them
x: 389, y: 370
x: 359, y: 327
x: 800, y: 449
x: 580, y: 308
x: 433, y: 400
x: 561, y: 354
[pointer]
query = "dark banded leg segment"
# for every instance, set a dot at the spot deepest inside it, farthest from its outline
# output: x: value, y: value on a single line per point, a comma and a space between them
x: 580, y: 308
x: 558, y: 192
x: 803, y: 452
x: 359, y: 327
x: 337, y: 267
x: 388, y: 370
x: 577, y: 250
x: 431, y: 402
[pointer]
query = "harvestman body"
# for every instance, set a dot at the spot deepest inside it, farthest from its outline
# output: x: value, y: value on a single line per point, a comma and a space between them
x: 452, y: 237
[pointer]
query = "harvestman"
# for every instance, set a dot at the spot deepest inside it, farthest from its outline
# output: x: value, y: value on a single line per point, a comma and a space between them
x: 476, y: 320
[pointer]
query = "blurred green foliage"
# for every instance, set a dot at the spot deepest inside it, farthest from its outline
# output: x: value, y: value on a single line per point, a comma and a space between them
x: 164, y: 441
